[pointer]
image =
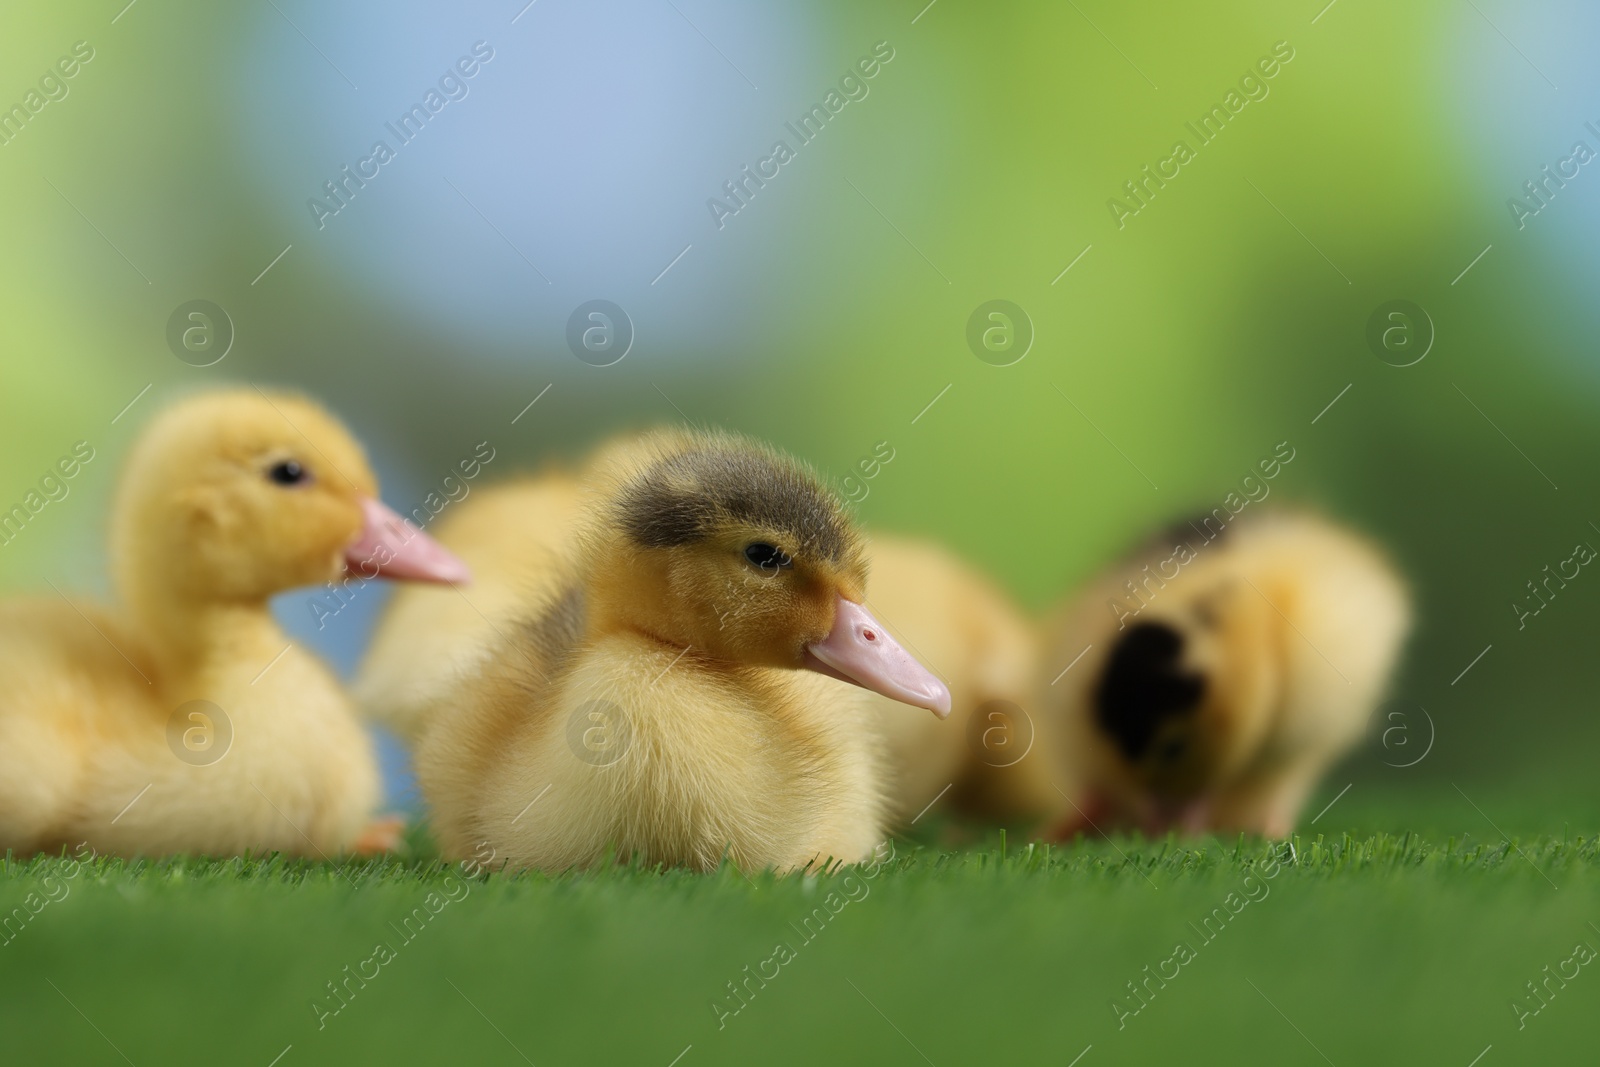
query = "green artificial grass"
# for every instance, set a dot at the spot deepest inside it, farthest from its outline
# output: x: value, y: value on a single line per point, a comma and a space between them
x: 1350, y: 948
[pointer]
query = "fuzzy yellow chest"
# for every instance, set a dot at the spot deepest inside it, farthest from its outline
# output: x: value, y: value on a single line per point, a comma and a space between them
x: 661, y: 755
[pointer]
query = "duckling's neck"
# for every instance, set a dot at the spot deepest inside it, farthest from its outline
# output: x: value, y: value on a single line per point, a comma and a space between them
x: 632, y: 597
x: 189, y: 637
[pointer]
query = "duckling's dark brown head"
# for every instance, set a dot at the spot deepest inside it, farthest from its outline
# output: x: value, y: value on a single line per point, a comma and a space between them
x: 741, y: 553
x: 717, y: 483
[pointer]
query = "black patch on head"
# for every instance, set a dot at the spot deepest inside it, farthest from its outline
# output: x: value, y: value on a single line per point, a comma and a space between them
x: 685, y: 498
x: 1143, y: 685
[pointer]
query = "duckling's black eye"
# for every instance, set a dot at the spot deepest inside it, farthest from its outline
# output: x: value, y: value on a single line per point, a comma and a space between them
x: 767, y: 557
x: 286, y: 473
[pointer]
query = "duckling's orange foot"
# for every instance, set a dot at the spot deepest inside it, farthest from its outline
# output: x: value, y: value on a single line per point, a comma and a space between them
x: 383, y: 834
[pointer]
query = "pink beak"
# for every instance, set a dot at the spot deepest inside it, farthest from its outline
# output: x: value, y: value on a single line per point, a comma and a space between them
x: 390, y: 547
x: 860, y: 651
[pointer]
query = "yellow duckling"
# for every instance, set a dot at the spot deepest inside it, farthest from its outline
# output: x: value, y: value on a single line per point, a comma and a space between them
x: 184, y: 721
x: 672, y: 691
x: 514, y: 537
x: 1224, y: 671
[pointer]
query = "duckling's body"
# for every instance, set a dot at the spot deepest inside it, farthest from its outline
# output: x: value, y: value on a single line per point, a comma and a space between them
x: 660, y: 754
x: 99, y: 740
x: 1226, y: 671
x: 515, y: 536
x: 93, y: 758
x: 970, y: 634
x: 659, y: 696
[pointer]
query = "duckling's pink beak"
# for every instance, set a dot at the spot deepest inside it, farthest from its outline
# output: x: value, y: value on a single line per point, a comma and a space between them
x: 860, y: 650
x: 390, y: 547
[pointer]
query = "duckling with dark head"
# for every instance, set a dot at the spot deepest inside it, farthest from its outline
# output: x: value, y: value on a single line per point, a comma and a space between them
x: 1220, y: 702
x: 673, y: 695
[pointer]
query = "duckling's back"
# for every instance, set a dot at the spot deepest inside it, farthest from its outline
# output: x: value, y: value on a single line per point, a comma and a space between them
x: 68, y: 690
x: 1350, y: 613
x: 970, y: 634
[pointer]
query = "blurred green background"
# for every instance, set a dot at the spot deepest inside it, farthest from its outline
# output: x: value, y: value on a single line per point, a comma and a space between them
x: 829, y: 312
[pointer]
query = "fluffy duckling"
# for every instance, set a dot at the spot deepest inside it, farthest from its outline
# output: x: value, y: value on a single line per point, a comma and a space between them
x: 991, y: 759
x: 184, y: 720
x: 514, y: 537
x: 1226, y: 670
x: 673, y: 692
